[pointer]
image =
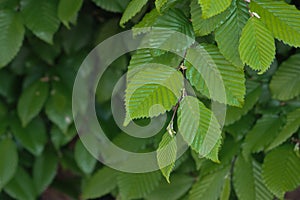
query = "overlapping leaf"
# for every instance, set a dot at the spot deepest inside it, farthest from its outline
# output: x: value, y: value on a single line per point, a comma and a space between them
x: 113, y: 6
x: 280, y: 18
x: 153, y: 90
x: 228, y: 34
x: 199, y: 127
x: 285, y: 83
x: 67, y: 10
x: 280, y: 170
x: 257, y: 46
x: 214, y: 76
x: 159, y: 4
x: 132, y: 9
x: 211, y: 8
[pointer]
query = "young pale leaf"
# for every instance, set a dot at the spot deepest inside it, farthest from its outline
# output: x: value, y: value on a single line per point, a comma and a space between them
x: 44, y: 170
x: 137, y: 186
x: 41, y: 18
x: 214, y: 76
x: 247, y: 180
x: 213, y: 7
x: 253, y: 92
x: 133, y: 8
x: 153, y: 90
x: 280, y: 18
x: 291, y: 126
x: 85, y: 161
x: 100, y: 184
x: 9, y: 161
x: 11, y: 37
x: 59, y: 108
x: 257, y: 46
x: 206, y: 26
x: 21, y: 187
x: 209, y: 186
x: 280, y: 170
x: 178, y: 186
x: 262, y: 134
x: 198, y: 126
x: 166, y: 153
x: 159, y: 4
x: 32, y: 101
x: 113, y: 6
x: 285, y: 83
x: 33, y: 137
x: 68, y: 9
x: 228, y: 34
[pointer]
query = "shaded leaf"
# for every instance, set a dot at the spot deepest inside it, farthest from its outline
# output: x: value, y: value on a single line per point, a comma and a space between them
x: 85, y: 161
x: 68, y: 9
x: 113, y: 6
x: 133, y: 8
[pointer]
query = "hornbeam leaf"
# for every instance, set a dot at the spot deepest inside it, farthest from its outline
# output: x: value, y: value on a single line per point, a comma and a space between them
x: 133, y: 8
x: 280, y: 170
x: 280, y: 18
x: 257, y: 46
x: 213, y: 7
x: 159, y: 4
x: 285, y: 83
x: 153, y: 90
x: 198, y: 126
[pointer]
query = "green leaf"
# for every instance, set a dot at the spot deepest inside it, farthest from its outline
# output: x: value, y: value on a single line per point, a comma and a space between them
x: 291, y: 126
x: 166, y: 153
x: 214, y: 76
x: 280, y: 18
x: 228, y: 34
x: 209, y: 186
x: 147, y: 22
x: 211, y: 8
x: 68, y: 9
x: 33, y: 137
x: 21, y: 187
x: 44, y: 170
x: 100, y: 184
x: 225, y: 193
x: 257, y: 46
x: 58, y: 107
x: 41, y: 18
x: 159, y: 4
x: 113, y: 6
x: 133, y: 8
x: 85, y: 161
x: 253, y: 92
x: 247, y: 180
x: 32, y: 101
x: 285, y: 82
x: 59, y: 138
x: 204, y: 26
x: 136, y: 186
x: 261, y: 134
x: 151, y: 85
x: 280, y: 170
x: 12, y: 34
x: 9, y: 161
x: 177, y: 187
x: 198, y: 126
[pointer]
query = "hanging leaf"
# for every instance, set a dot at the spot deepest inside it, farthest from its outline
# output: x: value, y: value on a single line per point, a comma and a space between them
x: 291, y: 126
x: 247, y: 180
x: 85, y: 161
x: 32, y: 101
x: 41, y: 18
x: 285, y: 82
x: 257, y: 46
x: 113, y: 6
x: 211, y: 8
x: 9, y: 161
x: 133, y: 8
x: 12, y: 34
x: 152, y: 84
x: 44, y: 170
x: 280, y: 170
x: 204, y: 26
x: 280, y: 18
x: 214, y: 76
x: 68, y: 9
x: 100, y: 184
x: 261, y: 134
x: 166, y: 153
x: 136, y: 186
x: 198, y: 126
x: 228, y: 34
